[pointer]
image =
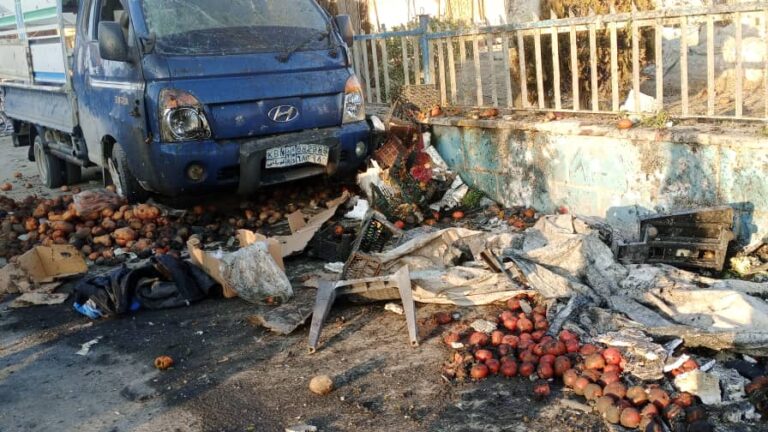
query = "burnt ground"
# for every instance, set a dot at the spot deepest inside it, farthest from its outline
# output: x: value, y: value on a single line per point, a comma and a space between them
x: 233, y: 376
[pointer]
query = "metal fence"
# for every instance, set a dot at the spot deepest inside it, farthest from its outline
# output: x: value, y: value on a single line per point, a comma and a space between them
x: 586, y: 64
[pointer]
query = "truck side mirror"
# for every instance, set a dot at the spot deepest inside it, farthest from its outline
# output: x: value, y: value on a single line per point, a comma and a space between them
x: 112, y: 43
x: 344, y: 23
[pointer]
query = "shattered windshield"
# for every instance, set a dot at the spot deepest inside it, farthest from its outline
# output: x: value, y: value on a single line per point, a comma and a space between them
x: 186, y: 27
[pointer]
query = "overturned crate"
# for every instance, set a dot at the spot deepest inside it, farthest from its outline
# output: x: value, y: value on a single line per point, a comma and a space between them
x: 374, y: 235
x: 694, y: 239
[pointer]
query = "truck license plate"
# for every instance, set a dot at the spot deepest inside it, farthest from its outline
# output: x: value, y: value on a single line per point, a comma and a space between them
x: 281, y: 157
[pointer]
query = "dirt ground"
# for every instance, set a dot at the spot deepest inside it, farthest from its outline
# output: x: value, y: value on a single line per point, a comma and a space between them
x: 233, y: 376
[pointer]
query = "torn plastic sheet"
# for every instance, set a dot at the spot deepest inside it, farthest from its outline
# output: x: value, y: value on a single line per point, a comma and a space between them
x: 453, y: 196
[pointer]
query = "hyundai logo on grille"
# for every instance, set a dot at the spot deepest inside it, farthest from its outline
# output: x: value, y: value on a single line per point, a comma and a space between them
x: 283, y: 113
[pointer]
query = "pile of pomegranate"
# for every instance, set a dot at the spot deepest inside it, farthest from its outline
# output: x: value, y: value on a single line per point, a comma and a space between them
x: 521, y: 346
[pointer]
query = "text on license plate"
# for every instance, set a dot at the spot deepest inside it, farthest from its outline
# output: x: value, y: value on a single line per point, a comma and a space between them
x: 281, y: 157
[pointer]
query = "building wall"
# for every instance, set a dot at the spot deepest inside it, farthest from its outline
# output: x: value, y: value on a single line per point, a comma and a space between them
x: 596, y: 170
x: 391, y: 13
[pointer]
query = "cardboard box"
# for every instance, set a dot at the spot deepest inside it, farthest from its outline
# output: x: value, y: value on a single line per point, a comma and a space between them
x: 45, y: 264
x: 303, y: 229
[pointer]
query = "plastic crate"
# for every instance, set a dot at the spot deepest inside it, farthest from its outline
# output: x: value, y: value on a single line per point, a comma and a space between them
x: 329, y: 247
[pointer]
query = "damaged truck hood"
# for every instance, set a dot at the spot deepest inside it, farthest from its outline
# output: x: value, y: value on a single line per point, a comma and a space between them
x: 239, y: 91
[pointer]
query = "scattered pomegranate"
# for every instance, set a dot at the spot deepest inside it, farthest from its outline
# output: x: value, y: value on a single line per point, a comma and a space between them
x: 479, y: 371
x: 478, y: 339
x: 458, y: 215
x: 541, y: 389
x: 630, y: 418
x: 5, y: 187
x: 483, y: 355
x: 625, y: 124
x: 493, y: 365
x: 509, y: 368
x: 443, y: 318
x: 400, y: 224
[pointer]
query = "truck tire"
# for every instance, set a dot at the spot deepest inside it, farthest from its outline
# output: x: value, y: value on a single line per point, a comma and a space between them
x: 50, y: 168
x: 74, y: 174
x: 126, y: 184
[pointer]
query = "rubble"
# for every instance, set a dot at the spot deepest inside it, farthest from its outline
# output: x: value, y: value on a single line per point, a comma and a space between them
x: 703, y: 385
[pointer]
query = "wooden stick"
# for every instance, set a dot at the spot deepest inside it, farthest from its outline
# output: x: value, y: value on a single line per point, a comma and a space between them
x: 376, y: 77
x: 614, y: 64
x: 441, y: 72
x: 575, y: 70
x: 710, y: 66
x: 684, y: 64
x: 406, y: 71
x: 489, y: 41
x: 507, y: 70
x: 478, y: 72
x: 739, y: 67
x: 452, y: 72
x: 523, y: 71
x: 385, y: 65
x: 658, y: 44
x: 539, y: 72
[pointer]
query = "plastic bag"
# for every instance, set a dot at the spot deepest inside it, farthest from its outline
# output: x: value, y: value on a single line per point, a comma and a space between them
x: 94, y: 201
x: 255, y: 276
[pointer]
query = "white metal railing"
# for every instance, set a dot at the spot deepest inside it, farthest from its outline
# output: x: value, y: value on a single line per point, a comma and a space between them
x: 554, y: 65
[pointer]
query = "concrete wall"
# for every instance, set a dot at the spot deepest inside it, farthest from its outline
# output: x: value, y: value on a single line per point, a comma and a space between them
x: 596, y: 170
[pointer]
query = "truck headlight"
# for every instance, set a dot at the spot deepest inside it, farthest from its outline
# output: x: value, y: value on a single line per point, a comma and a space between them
x: 182, y: 117
x: 354, y: 102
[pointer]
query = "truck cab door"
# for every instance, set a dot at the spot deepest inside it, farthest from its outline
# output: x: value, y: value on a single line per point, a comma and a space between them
x: 110, y: 93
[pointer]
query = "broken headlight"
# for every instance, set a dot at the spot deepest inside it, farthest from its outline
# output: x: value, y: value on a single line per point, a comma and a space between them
x: 354, y: 103
x: 182, y: 117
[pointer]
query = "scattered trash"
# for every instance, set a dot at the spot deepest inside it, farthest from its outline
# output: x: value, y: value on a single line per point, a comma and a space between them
x: 360, y: 210
x: 86, y: 347
x: 375, y: 289
x: 394, y: 308
x: 47, y: 264
x: 336, y: 267
x: 321, y: 385
x: 483, y: 326
x: 163, y: 362
x: 701, y: 384
x: 301, y: 428
x: 165, y: 282
x: 286, y: 318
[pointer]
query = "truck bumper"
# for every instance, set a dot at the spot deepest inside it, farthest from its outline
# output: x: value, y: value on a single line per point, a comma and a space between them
x: 241, y: 164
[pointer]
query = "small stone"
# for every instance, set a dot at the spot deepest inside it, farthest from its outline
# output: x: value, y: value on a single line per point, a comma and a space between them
x: 484, y: 326
x: 301, y: 428
x: 321, y: 384
x: 394, y: 308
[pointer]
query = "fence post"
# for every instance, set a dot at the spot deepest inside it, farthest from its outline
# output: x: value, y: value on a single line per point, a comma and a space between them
x: 20, y: 26
x: 424, y: 42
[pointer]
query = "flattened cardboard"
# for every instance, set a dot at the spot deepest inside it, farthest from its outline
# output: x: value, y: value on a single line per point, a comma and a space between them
x: 46, y: 264
x: 303, y: 232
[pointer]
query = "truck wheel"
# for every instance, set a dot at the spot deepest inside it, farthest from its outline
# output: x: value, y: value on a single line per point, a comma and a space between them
x: 124, y: 181
x: 73, y: 173
x: 50, y: 168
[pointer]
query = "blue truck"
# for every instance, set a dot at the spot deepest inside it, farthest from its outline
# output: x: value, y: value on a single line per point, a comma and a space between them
x: 182, y: 97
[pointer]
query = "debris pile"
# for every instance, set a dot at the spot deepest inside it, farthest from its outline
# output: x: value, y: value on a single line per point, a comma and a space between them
x: 518, y: 345
x: 108, y: 231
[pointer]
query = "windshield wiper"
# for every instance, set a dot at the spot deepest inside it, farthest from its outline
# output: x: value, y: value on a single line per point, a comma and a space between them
x: 285, y: 56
